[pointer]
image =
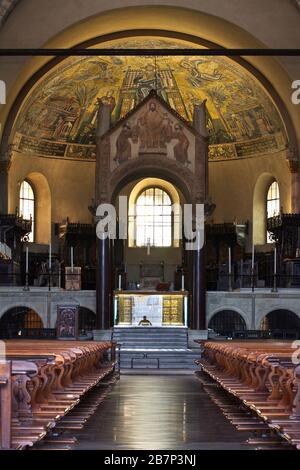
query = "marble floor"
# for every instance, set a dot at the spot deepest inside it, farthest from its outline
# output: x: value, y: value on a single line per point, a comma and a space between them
x: 159, y: 412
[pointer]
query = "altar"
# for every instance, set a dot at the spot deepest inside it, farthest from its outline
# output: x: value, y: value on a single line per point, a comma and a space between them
x: 168, y: 308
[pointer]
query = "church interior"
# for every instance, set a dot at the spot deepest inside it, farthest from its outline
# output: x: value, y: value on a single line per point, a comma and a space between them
x: 134, y: 126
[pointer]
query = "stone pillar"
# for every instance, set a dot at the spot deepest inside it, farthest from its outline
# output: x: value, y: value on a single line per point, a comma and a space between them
x: 4, y: 169
x: 293, y: 163
x: 198, y: 320
x: 103, y: 287
x: 104, y: 250
x: 295, y: 187
x: 200, y: 118
x: 103, y: 118
x: 198, y: 310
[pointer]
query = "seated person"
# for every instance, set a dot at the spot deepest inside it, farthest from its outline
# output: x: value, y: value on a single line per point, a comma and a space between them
x: 145, y: 322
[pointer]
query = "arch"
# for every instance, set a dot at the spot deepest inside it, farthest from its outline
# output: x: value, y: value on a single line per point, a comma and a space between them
x: 146, y: 168
x: 280, y: 319
x: 259, y: 217
x: 16, y: 319
x: 42, y: 195
x: 226, y: 321
x: 86, y: 320
x: 175, y: 22
x: 12, y: 305
x: 171, y: 190
x: 6, y: 8
x: 234, y: 309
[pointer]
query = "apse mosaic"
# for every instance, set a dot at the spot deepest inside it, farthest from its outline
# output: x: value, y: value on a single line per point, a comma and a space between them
x: 58, y: 118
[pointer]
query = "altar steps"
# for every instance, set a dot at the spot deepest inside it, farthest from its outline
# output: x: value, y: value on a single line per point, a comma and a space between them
x: 145, y: 348
x: 153, y: 337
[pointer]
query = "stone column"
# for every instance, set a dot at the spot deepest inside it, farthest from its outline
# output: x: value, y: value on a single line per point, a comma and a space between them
x: 198, y: 321
x: 295, y: 187
x: 293, y: 163
x: 198, y: 310
x: 104, y: 249
x: 4, y: 169
x: 103, y: 280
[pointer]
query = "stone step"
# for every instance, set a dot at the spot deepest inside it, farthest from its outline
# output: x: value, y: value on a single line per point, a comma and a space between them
x: 161, y: 364
x: 158, y: 358
x: 157, y: 336
x: 132, y: 334
x: 150, y: 332
x: 150, y: 351
x: 152, y: 345
x: 151, y: 338
x: 154, y: 366
x: 166, y: 347
x: 187, y: 362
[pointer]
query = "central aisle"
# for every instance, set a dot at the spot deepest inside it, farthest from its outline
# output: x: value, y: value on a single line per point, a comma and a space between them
x: 159, y: 412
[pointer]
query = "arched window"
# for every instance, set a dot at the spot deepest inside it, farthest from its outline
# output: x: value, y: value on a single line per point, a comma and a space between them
x: 153, y: 218
x: 273, y: 204
x: 27, y: 206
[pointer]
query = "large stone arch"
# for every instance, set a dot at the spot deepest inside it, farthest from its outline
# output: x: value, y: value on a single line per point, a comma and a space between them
x: 280, y: 319
x: 239, y: 319
x: 86, y: 320
x: 175, y: 22
x: 237, y: 310
x: 274, y: 308
x: 6, y: 7
x: 16, y: 318
x: 29, y: 305
x: 153, y: 167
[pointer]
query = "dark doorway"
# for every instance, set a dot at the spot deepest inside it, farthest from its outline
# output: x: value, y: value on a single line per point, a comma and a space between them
x: 226, y: 322
x: 87, y: 320
x: 17, y: 321
x: 282, y: 324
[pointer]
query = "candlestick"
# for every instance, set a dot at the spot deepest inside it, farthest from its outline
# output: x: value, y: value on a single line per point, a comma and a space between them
x: 72, y: 258
x: 182, y: 281
x: 26, y: 259
x: 148, y: 246
x: 252, y: 264
x: 50, y: 257
x: 26, y: 287
x: 275, y: 260
x: 120, y: 282
x: 229, y: 259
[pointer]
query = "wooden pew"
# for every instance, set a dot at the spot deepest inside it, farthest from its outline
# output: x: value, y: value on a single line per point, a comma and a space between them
x: 262, y: 375
x: 5, y: 404
x: 45, y: 381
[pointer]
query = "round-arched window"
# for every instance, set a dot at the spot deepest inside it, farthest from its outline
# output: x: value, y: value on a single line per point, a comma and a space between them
x: 153, y: 220
x: 273, y: 204
x: 27, y: 206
